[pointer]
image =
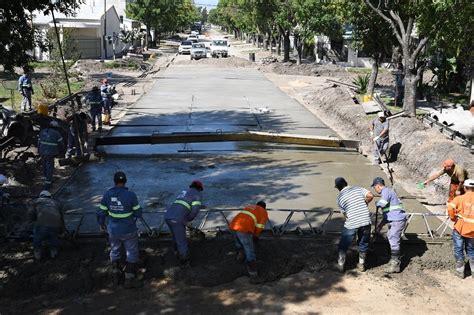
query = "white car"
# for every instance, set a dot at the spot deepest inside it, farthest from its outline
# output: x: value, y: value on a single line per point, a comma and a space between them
x: 219, y: 48
x: 198, y: 51
x: 185, y: 47
x: 191, y: 37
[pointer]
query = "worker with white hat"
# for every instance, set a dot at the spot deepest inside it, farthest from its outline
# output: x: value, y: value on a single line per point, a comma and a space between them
x: 379, y: 133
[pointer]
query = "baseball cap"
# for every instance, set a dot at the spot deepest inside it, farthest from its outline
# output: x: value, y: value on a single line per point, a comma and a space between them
x: 120, y: 177
x: 469, y: 183
x: 45, y: 194
x: 340, y: 182
x: 381, y: 114
x: 197, y: 184
x: 378, y: 180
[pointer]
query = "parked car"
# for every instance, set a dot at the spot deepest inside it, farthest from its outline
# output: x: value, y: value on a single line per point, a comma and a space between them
x: 219, y: 47
x: 198, y: 51
x: 193, y: 36
x: 185, y: 47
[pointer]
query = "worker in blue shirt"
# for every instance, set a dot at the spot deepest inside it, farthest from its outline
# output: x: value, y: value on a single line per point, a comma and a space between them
x: 50, y: 145
x: 25, y: 87
x: 94, y: 99
x: 105, y: 92
x: 117, y: 214
x: 183, y: 210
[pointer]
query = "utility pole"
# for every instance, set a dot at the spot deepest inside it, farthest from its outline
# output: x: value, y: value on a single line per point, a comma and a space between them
x: 104, y: 39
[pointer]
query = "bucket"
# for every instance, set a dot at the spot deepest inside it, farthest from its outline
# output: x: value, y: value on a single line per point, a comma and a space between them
x: 366, y: 98
x: 42, y: 109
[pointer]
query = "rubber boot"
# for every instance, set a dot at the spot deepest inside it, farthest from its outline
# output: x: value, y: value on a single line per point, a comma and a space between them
x: 117, y: 273
x: 459, y: 269
x: 184, y: 261
x: 37, y: 254
x: 53, y: 253
x: 131, y: 280
x: 361, y: 264
x: 252, y: 269
x: 240, y: 255
x: 394, y: 263
x: 341, y: 261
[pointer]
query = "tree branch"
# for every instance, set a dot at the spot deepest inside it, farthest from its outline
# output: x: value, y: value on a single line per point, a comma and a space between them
x: 397, y: 18
x: 386, y: 18
x: 418, y: 49
x: 410, y: 28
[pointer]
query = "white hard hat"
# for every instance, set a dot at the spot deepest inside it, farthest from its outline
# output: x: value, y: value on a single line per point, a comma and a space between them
x: 45, y: 194
x: 54, y: 123
x: 3, y: 179
x: 381, y: 114
x: 469, y: 183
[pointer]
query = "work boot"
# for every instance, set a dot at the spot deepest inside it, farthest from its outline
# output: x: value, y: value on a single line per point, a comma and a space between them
x: 394, y: 263
x: 341, y: 261
x: 117, y: 272
x: 131, y: 279
x: 37, y: 254
x: 252, y: 269
x: 53, y: 253
x: 361, y: 264
x: 459, y: 269
x: 471, y: 264
x: 240, y: 255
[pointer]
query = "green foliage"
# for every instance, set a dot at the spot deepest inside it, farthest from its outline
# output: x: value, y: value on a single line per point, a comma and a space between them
x: 362, y: 83
x: 17, y: 35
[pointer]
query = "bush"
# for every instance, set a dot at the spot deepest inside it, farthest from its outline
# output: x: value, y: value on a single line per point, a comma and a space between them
x: 362, y: 82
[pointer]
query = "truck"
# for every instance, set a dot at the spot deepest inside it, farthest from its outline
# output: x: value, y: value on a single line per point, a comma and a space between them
x: 219, y: 48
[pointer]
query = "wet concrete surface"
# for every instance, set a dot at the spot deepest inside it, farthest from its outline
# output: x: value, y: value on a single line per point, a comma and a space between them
x: 207, y: 98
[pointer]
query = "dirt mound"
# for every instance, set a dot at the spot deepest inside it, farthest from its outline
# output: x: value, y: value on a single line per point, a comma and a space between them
x: 232, y: 61
x: 416, y: 150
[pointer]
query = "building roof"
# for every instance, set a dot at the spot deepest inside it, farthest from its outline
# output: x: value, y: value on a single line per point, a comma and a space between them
x: 87, y: 12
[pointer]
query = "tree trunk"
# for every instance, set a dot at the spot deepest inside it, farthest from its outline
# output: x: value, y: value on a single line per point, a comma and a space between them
x: 279, y: 45
x: 286, y: 46
x: 265, y: 42
x: 409, y: 101
x: 147, y: 37
x: 373, y: 77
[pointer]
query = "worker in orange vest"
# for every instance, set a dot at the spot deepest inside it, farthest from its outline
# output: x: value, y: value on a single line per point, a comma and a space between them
x: 461, y: 211
x: 247, y: 226
x: 458, y: 175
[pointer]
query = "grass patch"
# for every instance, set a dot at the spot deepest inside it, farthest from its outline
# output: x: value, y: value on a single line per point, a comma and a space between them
x: 41, y: 64
x: 117, y: 64
x: 5, y: 94
x: 360, y: 70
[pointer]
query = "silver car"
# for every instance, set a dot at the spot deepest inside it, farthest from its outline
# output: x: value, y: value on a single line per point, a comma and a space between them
x: 198, y: 51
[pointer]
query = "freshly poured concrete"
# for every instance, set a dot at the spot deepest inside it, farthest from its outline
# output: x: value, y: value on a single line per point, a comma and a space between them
x: 197, y: 99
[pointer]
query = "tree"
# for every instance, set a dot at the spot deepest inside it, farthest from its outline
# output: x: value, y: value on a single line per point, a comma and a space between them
x: 145, y: 11
x: 204, y: 15
x: 406, y: 21
x: 18, y: 37
x: 371, y: 34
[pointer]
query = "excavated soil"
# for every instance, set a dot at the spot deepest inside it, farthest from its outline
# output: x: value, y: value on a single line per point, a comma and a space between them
x: 83, y: 270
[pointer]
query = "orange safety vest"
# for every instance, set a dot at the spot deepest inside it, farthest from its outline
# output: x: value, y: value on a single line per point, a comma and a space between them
x: 461, y: 211
x: 251, y: 220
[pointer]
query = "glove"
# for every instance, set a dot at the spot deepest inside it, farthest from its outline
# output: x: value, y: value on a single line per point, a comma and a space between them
x: 458, y: 193
x: 376, y: 138
x: 371, y: 134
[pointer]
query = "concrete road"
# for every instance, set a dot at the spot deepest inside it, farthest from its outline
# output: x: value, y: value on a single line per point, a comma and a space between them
x: 196, y: 98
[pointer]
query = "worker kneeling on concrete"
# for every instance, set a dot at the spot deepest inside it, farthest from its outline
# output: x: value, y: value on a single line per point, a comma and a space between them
x: 117, y: 213
x: 393, y: 215
x: 461, y: 212
x: 183, y: 210
x: 247, y: 226
x: 353, y: 201
x: 47, y: 216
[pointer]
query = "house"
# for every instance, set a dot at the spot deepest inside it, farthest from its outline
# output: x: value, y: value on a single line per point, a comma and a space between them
x: 93, y: 28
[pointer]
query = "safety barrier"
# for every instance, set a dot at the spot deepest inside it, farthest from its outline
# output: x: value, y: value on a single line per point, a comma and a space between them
x: 280, y: 229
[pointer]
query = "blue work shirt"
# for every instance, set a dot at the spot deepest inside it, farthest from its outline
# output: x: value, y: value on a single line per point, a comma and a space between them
x: 186, y: 206
x: 94, y: 99
x: 121, y: 209
x: 391, y: 205
x: 50, y: 142
x: 25, y: 83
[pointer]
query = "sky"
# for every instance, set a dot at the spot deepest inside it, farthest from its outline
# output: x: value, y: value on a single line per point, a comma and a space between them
x: 210, y: 4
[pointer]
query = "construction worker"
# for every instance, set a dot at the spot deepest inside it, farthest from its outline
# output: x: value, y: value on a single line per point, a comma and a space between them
x: 94, y: 99
x: 47, y: 216
x: 457, y: 174
x: 106, y: 94
x: 183, y: 210
x: 379, y: 128
x: 461, y: 212
x: 25, y: 87
x: 247, y: 226
x: 117, y: 214
x: 393, y: 215
x: 353, y: 201
x: 50, y: 145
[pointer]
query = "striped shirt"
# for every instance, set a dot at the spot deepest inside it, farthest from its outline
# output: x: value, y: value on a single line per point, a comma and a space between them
x: 351, y: 202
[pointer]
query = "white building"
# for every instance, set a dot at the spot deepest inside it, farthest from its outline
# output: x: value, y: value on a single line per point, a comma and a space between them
x: 91, y: 23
